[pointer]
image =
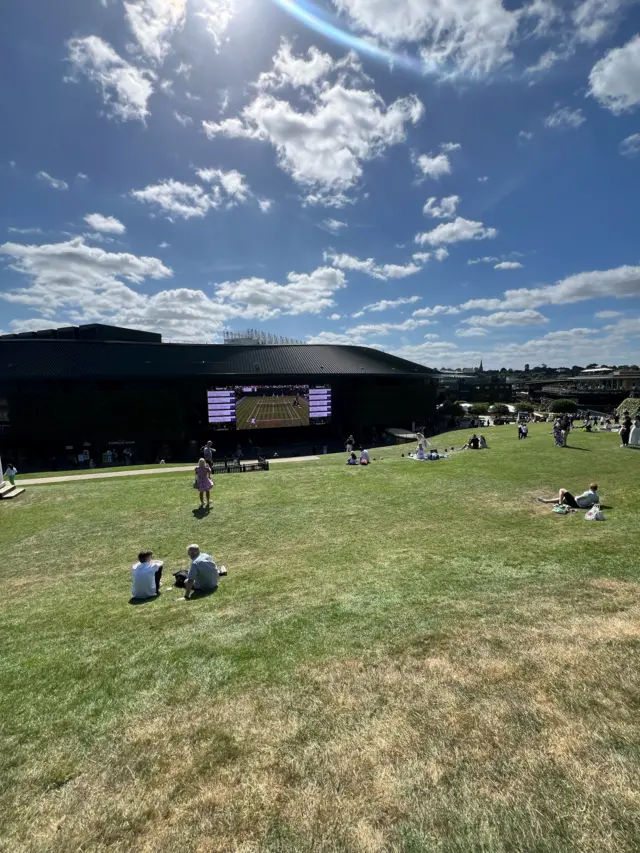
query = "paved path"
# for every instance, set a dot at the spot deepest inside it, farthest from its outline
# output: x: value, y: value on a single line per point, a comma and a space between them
x: 163, y: 469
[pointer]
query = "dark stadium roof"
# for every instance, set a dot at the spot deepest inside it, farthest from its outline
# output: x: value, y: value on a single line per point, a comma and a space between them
x: 38, y: 358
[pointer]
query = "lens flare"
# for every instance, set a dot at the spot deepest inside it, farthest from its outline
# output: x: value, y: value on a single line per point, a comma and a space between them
x: 327, y: 25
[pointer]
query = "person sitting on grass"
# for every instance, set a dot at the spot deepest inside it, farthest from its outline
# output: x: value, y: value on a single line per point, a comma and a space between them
x: 353, y: 459
x: 584, y: 501
x: 483, y: 443
x: 146, y: 576
x: 364, y: 457
x: 472, y: 444
x: 203, y: 572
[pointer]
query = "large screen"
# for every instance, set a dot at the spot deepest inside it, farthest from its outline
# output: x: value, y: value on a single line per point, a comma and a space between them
x: 268, y: 406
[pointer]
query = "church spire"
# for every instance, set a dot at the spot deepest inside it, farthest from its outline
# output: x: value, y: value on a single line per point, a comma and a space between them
x: 481, y: 368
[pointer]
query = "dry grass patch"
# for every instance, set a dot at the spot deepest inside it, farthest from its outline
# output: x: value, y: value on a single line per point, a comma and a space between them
x: 507, y: 735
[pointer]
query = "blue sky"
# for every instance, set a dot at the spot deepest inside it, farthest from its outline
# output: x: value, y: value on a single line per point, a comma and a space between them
x: 444, y: 179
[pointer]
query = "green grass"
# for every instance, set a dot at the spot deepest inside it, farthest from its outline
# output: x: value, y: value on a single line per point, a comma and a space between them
x: 409, y: 657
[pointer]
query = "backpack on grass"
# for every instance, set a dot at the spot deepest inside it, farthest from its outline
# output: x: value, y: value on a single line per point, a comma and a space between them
x: 180, y: 579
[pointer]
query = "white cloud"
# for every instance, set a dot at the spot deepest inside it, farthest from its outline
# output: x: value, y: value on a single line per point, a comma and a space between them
x: 334, y: 226
x: 483, y: 179
x: 217, y: 15
x: 89, y: 284
x: 185, y: 121
x: 435, y: 310
x: 470, y: 37
x: 562, y: 118
x: 13, y: 230
x: 302, y: 71
x: 187, y: 201
x: 54, y: 183
x: 304, y: 293
x: 594, y: 19
x: 434, y: 167
x: 265, y: 205
x: 630, y: 146
x: 615, y: 79
x: 334, y: 317
x: 448, y: 147
x: 525, y: 134
x: 153, y: 23
x: 421, y: 257
x: 233, y: 184
x: 164, y: 245
x: 336, y: 339
x: 82, y: 177
x: 184, y: 70
x: 369, y: 266
x: 387, y: 304
x: 508, y: 265
x: 488, y: 259
x: 125, y: 89
x: 72, y: 274
x: 441, y: 253
x: 456, y: 231
x: 445, y: 210
x: 324, y: 148
x: 383, y: 329
x: 619, y: 283
x: 508, y: 318
x: 176, y: 199
x: 472, y: 332
x: 104, y: 224
x: 607, y: 315
x: 191, y: 97
x: 546, y: 61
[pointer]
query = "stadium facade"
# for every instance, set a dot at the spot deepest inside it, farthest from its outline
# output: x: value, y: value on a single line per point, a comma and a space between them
x: 92, y: 388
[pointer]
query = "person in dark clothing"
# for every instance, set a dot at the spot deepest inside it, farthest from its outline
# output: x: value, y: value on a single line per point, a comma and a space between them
x: 625, y: 429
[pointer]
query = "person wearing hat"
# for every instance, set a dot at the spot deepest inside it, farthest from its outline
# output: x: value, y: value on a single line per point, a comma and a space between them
x: 203, y: 572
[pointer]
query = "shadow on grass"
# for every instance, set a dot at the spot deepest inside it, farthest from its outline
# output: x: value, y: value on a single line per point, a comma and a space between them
x: 201, y: 512
x: 137, y: 601
x: 202, y: 593
x: 573, y: 447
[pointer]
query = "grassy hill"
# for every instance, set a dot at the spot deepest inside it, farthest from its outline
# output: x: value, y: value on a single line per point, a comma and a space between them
x: 409, y: 657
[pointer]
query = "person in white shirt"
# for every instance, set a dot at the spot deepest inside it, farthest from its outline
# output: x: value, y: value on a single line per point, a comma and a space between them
x: 146, y: 576
x: 584, y: 501
x: 10, y: 473
x: 364, y: 457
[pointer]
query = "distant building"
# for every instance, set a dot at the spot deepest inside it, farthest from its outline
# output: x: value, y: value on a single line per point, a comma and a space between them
x: 474, y: 387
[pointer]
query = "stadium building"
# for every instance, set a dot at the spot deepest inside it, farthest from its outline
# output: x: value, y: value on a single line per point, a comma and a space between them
x: 86, y: 390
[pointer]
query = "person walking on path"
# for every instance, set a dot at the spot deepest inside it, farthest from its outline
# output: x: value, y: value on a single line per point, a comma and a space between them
x: 204, y: 483
x: 10, y: 473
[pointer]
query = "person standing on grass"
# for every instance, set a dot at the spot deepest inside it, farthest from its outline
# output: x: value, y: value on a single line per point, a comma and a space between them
x: 10, y: 473
x: 584, y: 501
x: 625, y: 429
x: 207, y: 452
x: 203, y: 572
x: 146, y: 576
x: 557, y: 433
x: 349, y: 443
x: 204, y: 483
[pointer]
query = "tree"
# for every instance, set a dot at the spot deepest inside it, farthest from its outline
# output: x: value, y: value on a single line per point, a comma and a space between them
x: 451, y: 410
x: 499, y: 409
x: 526, y: 368
x: 525, y: 406
x: 479, y: 409
x: 564, y: 407
x: 631, y: 405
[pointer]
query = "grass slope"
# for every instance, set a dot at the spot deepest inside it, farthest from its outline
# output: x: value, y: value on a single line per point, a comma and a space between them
x: 410, y: 657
